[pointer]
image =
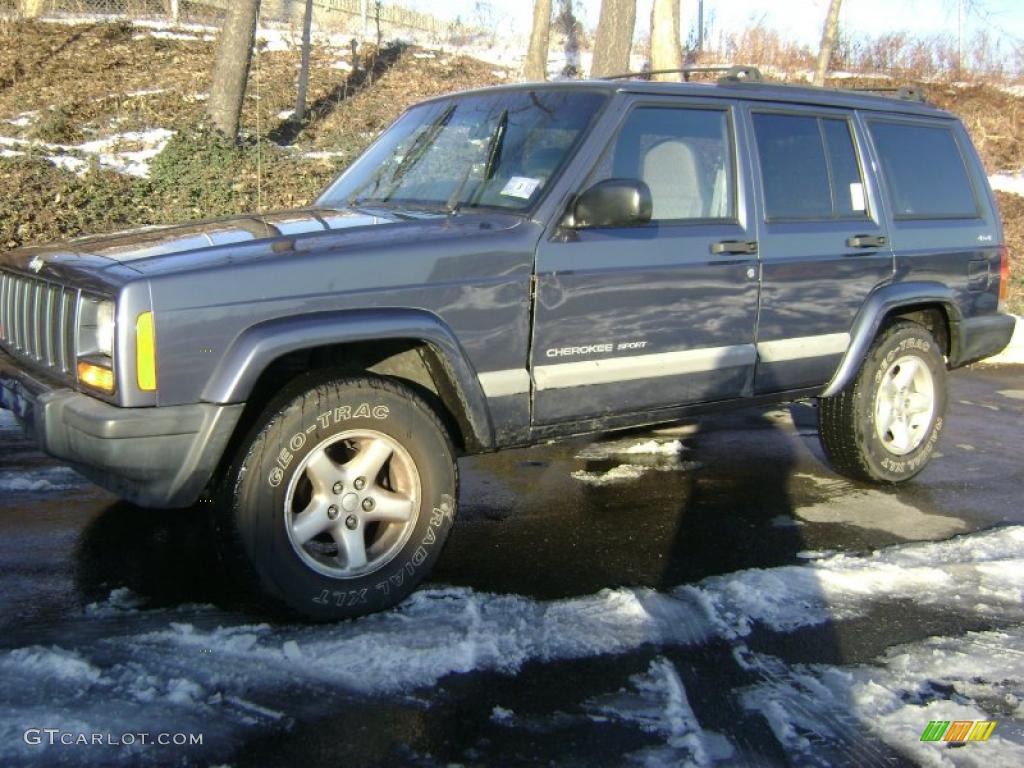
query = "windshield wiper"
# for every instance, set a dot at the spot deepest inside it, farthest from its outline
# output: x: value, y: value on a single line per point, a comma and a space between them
x: 494, y: 150
x: 412, y: 156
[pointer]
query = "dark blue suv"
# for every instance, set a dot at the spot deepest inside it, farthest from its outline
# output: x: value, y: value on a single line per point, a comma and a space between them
x: 504, y: 267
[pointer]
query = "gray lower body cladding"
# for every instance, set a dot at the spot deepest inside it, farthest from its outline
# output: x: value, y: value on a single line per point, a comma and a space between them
x: 984, y: 336
x: 154, y: 457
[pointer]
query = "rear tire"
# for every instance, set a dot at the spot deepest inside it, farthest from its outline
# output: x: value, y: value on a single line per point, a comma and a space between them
x: 884, y: 426
x: 343, y: 499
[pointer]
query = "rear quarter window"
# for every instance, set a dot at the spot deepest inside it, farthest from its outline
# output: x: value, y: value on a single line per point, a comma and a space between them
x: 924, y: 171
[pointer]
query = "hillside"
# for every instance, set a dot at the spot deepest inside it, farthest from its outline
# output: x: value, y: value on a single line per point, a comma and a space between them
x: 98, y: 125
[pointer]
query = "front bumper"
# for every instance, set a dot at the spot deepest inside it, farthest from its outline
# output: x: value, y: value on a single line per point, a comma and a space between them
x: 154, y: 457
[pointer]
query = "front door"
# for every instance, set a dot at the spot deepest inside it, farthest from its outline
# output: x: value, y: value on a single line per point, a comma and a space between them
x: 633, y: 319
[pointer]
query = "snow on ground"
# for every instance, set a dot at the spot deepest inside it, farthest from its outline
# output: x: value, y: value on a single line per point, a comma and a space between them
x: 204, y: 671
x: 643, y: 457
x: 129, y: 153
x: 658, y: 704
x: 40, y: 480
x: 894, y: 699
x: 614, y: 448
x: 1008, y: 181
x: 617, y: 474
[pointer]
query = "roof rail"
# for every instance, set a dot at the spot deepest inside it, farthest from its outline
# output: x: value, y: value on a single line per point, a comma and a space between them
x: 730, y: 74
x: 902, y: 92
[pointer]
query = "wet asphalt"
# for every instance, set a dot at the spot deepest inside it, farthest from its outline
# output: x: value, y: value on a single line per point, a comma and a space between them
x: 750, y: 490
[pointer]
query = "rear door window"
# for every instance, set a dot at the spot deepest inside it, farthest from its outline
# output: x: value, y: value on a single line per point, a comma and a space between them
x: 809, y: 167
x: 924, y: 171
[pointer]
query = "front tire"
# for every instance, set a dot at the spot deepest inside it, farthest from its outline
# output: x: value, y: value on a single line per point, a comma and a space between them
x: 884, y: 426
x: 344, y: 497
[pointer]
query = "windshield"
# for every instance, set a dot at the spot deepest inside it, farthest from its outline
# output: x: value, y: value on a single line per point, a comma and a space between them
x: 498, y: 150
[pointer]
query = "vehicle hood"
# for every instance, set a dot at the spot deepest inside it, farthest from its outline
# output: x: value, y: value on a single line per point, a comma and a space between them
x: 124, y: 256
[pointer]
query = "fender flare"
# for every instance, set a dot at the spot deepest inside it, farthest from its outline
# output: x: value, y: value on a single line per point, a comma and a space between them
x: 258, y: 346
x: 876, y: 307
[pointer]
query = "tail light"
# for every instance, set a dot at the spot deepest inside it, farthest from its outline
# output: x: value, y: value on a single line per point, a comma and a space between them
x: 1004, y: 277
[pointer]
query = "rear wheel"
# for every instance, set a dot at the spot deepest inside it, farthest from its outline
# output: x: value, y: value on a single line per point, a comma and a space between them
x: 344, y: 497
x: 885, y: 424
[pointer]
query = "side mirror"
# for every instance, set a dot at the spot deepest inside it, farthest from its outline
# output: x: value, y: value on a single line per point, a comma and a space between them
x: 613, y: 203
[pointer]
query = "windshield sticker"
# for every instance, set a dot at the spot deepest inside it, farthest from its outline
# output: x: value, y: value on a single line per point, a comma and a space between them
x: 857, y: 201
x: 521, y: 187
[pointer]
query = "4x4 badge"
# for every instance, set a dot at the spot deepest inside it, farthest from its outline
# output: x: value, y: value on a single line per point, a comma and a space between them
x: 36, y: 265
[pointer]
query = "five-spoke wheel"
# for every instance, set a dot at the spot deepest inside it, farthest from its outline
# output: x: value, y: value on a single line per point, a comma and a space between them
x: 343, y: 498
x: 352, y: 503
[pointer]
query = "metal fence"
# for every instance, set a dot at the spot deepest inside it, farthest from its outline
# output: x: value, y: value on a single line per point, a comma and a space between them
x: 364, y: 18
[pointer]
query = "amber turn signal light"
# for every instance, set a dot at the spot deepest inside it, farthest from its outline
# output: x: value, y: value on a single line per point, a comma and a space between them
x: 96, y: 376
x: 145, y: 352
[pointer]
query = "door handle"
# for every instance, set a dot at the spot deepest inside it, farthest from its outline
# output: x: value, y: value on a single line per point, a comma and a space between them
x: 867, y: 241
x: 734, y: 246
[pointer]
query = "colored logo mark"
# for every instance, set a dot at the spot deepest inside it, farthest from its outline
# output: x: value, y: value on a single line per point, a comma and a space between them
x: 958, y: 730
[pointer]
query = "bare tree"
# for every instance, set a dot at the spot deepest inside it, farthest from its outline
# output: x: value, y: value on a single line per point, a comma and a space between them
x: 31, y: 9
x: 614, y: 39
x: 231, y: 70
x: 569, y: 26
x: 307, y: 44
x: 666, y: 50
x: 173, y: 10
x: 828, y: 41
x: 536, y: 65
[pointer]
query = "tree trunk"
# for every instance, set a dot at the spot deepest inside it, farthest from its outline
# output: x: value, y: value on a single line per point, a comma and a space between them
x: 828, y: 41
x: 568, y: 25
x: 614, y: 39
x: 536, y: 65
x: 231, y: 70
x: 666, y: 50
x: 307, y: 43
x: 31, y: 9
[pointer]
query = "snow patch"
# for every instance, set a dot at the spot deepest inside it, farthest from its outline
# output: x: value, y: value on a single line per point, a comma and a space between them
x: 620, y: 474
x: 502, y: 715
x: 211, y: 674
x: 24, y: 119
x: 658, y: 704
x: 119, y: 602
x: 603, y: 450
x: 41, y: 480
x: 1008, y: 181
x: 942, y: 678
x: 129, y: 153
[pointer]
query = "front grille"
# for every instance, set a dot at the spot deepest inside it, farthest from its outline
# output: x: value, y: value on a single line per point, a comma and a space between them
x: 38, y: 321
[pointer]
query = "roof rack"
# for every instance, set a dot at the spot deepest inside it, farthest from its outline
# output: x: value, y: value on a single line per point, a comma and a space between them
x: 731, y: 74
x: 903, y: 92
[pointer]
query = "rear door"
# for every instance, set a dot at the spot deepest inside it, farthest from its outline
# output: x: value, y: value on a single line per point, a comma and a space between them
x: 823, y: 239
x: 630, y: 319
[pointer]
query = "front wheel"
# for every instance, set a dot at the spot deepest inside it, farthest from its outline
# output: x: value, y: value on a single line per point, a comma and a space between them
x: 884, y: 426
x: 345, y: 497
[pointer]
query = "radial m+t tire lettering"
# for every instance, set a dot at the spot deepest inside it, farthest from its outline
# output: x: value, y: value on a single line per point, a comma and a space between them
x: 884, y: 426
x: 344, y: 498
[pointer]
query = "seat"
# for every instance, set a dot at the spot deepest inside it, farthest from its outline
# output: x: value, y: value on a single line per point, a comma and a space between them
x: 671, y: 169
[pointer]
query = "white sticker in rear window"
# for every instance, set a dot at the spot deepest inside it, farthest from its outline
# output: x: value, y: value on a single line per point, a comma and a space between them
x: 521, y: 187
x: 857, y: 201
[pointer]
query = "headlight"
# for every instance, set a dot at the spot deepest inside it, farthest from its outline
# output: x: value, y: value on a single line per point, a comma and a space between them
x: 96, y: 328
x: 95, y: 348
